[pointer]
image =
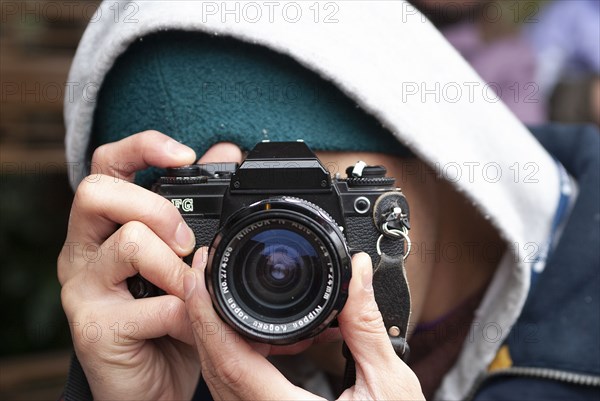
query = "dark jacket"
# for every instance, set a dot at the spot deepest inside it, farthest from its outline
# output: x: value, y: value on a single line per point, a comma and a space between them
x: 555, y: 344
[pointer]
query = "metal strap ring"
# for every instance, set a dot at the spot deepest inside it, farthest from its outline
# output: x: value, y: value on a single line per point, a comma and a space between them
x: 395, y: 233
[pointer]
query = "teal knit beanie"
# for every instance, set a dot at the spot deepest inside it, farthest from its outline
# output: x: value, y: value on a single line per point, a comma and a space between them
x: 202, y: 89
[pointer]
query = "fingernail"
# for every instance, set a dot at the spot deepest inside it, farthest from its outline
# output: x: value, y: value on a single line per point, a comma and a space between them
x: 185, y: 236
x: 189, y: 283
x: 200, y: 258
x: 367, y: 275
x: 179, y: 150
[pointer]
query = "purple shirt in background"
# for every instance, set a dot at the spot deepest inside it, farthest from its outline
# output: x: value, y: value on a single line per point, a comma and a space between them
x: 507, y: 64
x: 566, y: 39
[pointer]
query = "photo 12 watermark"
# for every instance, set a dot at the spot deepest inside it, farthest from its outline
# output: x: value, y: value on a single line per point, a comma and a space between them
x: 472, y: 172
x: 478, y: 331
x: 469, y: 92
x: 114, y: 252
x: 93, y: 332
x: 42, y: 11
x: 271, y: 11
x: 489, y: 12
x: 34, y: 92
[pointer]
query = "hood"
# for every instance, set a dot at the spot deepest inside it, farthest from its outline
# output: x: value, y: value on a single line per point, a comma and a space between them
x: 393, y: 63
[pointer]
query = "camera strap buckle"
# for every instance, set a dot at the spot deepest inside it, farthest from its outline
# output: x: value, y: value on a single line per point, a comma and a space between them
x: 394, y: 233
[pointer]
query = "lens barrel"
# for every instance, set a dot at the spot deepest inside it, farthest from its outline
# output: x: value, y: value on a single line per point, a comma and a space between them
x: 278, y: 271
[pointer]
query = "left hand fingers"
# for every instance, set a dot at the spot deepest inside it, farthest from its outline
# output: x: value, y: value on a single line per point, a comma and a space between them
x: 360, y: 321
x: 379, y: 371
x: 231, y: 368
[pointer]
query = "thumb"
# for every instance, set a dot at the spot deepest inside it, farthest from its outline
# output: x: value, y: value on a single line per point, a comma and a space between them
x: 361, y: 323
x: 206, y: 324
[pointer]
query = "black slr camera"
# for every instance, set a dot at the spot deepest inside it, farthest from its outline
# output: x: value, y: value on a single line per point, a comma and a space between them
x: 281, y: 232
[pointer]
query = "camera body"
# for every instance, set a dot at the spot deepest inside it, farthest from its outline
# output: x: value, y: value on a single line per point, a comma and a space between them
x: 281, y: 232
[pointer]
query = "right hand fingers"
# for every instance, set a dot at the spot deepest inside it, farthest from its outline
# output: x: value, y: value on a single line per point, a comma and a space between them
x: 121, y: 160
x: 133, y: 249
x: 160, y: 316
x: 137, y: 320
x: 100, y: 206
x: 101, y: 202
x: 222, y: 152
x: 97, y: 293
x: 150, y: 148
x: 94, y: 216
x: 99, y: 273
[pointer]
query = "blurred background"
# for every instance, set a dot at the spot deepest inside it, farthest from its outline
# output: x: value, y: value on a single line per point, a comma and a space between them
x: 37, y: 42
x: 541, y: 56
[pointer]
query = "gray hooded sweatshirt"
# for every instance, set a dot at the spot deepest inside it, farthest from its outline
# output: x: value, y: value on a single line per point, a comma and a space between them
x: 414, y: 83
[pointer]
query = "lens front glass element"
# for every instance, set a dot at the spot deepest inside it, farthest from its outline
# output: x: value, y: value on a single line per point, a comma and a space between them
x: 279, y: 268
x: 277, y: 273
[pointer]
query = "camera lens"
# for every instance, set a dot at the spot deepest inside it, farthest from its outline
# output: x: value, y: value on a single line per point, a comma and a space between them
x: 278, y: 265
x: 278, y: 271
x: 281, y: 270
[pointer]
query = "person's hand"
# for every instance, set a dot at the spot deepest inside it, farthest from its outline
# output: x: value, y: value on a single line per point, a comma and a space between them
x: 234, y: 369
x: 131, y: 349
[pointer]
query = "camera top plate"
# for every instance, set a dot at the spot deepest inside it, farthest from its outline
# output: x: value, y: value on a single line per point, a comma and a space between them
x: 281, y: 166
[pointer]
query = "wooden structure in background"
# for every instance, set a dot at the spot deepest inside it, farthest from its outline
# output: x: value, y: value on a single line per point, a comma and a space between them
x: 37, y: 43
x: 36, y: 377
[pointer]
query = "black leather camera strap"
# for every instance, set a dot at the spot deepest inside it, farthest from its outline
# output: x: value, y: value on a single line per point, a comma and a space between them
x: 391, y: 216
x: 77, y: 387
x: 389, y: 278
